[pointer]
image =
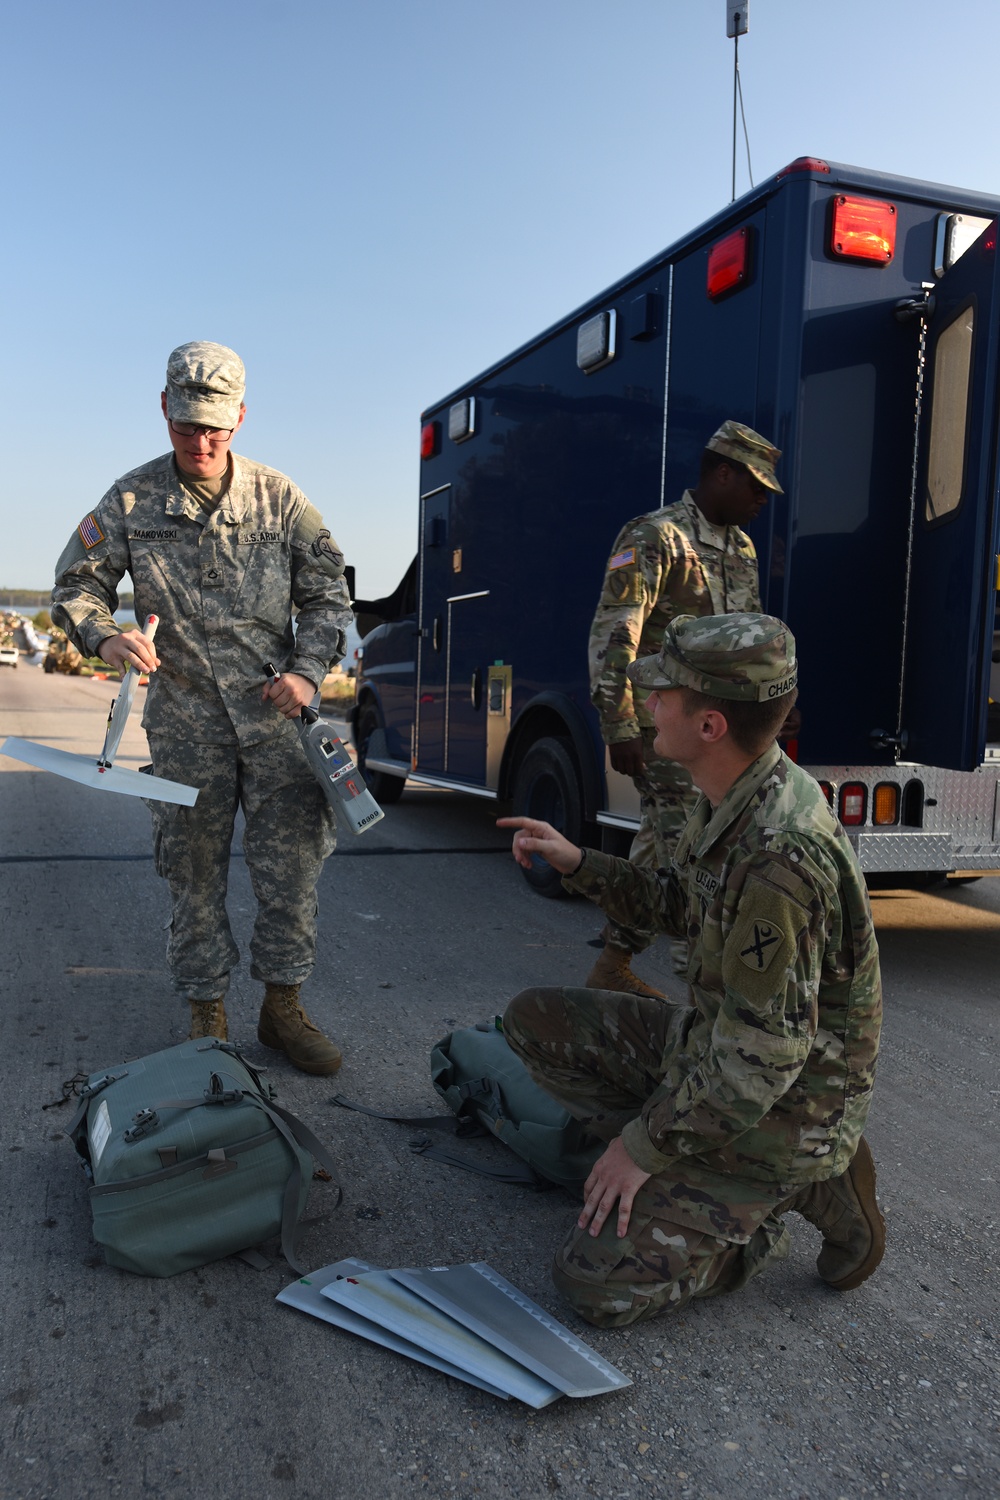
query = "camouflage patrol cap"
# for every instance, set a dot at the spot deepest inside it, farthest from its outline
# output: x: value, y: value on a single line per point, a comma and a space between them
x: 205, y: 383
x: 749, y: 658
x: 747, y: 447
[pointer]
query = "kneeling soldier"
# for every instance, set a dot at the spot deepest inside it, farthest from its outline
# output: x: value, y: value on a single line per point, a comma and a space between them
x: 724, y: 1115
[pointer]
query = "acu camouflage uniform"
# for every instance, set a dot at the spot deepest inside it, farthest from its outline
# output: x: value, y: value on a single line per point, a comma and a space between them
x: 759, y: 1088
x: 669, y: 563
x: 223, y: 585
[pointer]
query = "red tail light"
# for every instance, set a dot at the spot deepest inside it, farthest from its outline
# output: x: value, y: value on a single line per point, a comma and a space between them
x: 729, y: 263
x: 804, y: 164
x: 853, y: 803
x: 430, y: 439
x: 863, y: 229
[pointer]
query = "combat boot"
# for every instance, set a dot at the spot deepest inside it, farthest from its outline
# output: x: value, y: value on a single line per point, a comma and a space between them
x: 845, y: 1211
x: 612, y: 971
x: 208, y: 1018
x: 285, y: 1026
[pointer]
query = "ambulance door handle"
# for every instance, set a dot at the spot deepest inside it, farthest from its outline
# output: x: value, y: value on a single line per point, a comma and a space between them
x: 476, y: 688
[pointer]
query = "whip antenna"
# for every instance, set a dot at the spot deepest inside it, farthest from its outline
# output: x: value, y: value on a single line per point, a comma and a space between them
x: 737, y: 25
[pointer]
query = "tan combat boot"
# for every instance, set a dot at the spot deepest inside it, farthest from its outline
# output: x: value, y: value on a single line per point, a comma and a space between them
x: 285, y: 1026
x: 612, y: 971
x: 208, y: 1018
x: 845, y: 1211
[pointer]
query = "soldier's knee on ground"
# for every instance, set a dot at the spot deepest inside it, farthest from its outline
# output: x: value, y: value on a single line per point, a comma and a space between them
x: 612, y: 1289
x: 657, y: 1267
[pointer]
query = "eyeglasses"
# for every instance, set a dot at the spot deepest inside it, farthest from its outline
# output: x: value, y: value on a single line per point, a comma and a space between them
x: 190, y: 429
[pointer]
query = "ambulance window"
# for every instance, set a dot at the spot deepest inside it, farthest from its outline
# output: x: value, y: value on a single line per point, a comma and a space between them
x: 949, y: 417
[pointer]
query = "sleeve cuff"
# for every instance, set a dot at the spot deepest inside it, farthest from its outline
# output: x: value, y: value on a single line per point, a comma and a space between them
x: 590, y: 875
x: 310, y: 667
x: 620, y: 730
x: 635, y: 1139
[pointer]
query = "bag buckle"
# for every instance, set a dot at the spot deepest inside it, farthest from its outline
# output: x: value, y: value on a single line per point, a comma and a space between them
x: 219, y: 1164
x: 143, y: 1121
x: 217, y: 1093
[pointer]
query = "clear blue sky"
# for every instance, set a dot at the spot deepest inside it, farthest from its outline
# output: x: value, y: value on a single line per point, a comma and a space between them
x: 372, y: 201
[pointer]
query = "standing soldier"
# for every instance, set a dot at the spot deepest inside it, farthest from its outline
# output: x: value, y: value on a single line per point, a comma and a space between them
x: 690, y: 558
x: 221, y: 548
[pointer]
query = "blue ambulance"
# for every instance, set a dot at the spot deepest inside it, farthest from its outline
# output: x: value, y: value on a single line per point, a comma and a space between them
x: 854, y: 318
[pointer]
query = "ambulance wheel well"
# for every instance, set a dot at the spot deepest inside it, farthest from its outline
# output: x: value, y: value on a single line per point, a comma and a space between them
x: 552, y: 716
x: 365, y: 720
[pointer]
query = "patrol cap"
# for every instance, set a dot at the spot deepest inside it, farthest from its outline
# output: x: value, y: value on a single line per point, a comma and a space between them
x: 205, y: 383
x: 747, y: 447
x: 749, y: 658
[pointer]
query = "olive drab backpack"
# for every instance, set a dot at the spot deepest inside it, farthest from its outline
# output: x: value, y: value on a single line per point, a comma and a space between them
x: 490, y: 1092
x: 190, y: 1159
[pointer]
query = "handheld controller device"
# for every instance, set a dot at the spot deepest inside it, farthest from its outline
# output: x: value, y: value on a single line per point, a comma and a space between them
x: 334, y: 769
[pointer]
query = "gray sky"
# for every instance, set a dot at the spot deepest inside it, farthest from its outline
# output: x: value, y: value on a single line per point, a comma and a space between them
x: 372, y: 202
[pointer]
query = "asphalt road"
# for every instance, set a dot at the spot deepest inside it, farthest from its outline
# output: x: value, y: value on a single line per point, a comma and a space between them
x: 114, y: 1385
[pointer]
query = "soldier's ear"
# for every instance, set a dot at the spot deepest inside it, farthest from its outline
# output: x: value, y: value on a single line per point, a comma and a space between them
x: 713, y: 726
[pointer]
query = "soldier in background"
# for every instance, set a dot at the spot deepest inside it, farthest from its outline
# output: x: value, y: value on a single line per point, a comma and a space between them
x: 691, y: 558
x: 221, y: 549
x: 724, y: 1115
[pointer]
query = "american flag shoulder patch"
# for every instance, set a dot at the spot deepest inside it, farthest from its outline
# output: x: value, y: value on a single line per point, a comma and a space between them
x: 90, y: 532
x: 621, y: 559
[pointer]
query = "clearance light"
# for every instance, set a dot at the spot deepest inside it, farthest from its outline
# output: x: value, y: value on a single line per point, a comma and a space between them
x: 804, y: 164
x: 430, y: 439
x: 853, y: 799
x: 729, y: 263
x: 955, y: 234
x: 863, y: 229
x: 595, y: 341
x: 462, y: 419
x: 885, y: 803
x: 827, y: 791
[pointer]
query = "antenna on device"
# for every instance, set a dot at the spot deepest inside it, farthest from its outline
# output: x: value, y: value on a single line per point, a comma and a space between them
x: 737, y: 25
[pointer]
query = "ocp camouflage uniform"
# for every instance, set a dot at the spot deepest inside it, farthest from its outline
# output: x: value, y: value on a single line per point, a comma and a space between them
x: 668, y: 563
x: 223, y: 585
x: 760, y: 1087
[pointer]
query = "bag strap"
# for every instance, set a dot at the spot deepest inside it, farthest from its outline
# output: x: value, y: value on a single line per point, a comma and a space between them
x: 293, y: 1130
x: 464, y: 1123
x: 429, y: 1122
x: 518, y: 1172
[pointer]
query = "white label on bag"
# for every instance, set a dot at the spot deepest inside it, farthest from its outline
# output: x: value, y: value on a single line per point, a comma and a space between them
x: 101, y: 1131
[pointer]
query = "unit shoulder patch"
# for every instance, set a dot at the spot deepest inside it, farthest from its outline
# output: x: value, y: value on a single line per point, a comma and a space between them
x: 322, y: 549
x: 90, y: 532
x: 762, y: 943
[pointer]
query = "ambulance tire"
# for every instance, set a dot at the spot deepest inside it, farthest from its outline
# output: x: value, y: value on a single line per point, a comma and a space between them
x: 547, y: 787
x: 384, y: 788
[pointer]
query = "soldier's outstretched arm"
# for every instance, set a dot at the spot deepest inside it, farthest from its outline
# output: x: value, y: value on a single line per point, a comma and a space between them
x: 534, y: 837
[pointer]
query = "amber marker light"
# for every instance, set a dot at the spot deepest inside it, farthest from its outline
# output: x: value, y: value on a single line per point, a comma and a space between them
x: 885, y: 804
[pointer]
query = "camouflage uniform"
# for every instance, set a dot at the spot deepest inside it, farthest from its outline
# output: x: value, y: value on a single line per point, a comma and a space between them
x: 762, y: 1085
x: 669, y: 563
x: 223, y: 585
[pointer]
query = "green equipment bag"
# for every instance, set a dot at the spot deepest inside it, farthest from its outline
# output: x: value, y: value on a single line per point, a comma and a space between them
x: 191, y: 1159
x: 482, y: 1081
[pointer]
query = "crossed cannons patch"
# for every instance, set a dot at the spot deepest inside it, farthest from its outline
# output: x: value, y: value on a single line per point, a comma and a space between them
x: 762, y: 943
